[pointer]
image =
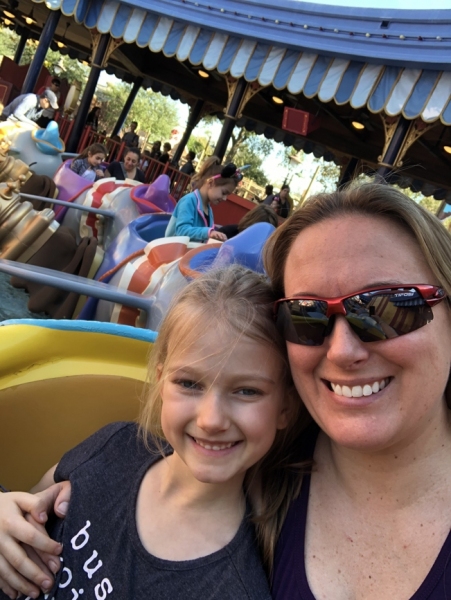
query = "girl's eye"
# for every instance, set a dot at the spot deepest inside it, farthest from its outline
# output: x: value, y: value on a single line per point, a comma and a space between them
x: 249, y: 392
x: 188, y: 384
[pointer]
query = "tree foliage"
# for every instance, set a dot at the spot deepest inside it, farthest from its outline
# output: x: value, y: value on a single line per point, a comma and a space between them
x: 154, y: 113
x: 328, y: 176
x: 57, y: 64
x: 249, y: 149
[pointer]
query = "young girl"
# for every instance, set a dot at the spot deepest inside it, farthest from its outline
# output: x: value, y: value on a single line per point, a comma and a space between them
x: 193, y: 215
x: 88, y: 162
x: 167, y: 507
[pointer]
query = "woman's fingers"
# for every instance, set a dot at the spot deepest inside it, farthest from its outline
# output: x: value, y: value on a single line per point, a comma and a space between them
x: 26, y: 530
x: 61, y: 504
x: 8, y: 590
x: 48, y: 561
x: 44, y: 502
x: 29, y: 584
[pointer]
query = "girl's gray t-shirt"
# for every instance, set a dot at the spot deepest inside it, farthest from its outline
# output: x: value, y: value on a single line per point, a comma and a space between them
x: 103, y: 557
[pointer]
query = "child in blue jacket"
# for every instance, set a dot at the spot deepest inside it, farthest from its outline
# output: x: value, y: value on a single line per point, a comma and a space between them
x: 193, y: 215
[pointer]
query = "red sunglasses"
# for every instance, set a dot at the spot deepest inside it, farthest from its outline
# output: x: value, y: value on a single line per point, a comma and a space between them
x: 373, y: 314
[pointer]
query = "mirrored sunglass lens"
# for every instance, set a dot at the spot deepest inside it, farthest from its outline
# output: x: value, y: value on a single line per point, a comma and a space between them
x: 386, y: 314
x: 303, y: 321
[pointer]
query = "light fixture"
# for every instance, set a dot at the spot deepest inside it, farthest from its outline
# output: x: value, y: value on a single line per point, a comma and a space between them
x: 357, y: 125
x: 9, y: 14
x: 60, y: 45
x: 29, y: 19
x: 447, y: 149
x: 85, y: 62
x: 203, y: 74
x: 7, y: 22
x: 277, y: 100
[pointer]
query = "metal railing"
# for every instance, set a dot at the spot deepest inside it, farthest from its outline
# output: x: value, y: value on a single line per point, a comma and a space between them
x: 152, y: 168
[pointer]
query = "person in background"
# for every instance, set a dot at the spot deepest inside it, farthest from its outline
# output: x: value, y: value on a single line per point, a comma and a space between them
x: 188, y: 167
x: 193, y: 215
x: 282, y: 203
x: 259, y: 214
x: 28, y: 108
x: 155, y: 151
x: 128, y: 168
x: 93, y: 118
x: 87, y: 164
x: 269, y: 196
x: 164, y: 158
x: 131, y: 138
x: 49, y: 113
x: 146, y: 159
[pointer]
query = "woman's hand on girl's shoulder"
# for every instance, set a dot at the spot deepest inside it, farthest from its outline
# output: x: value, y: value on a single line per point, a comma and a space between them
x: 28, y: 557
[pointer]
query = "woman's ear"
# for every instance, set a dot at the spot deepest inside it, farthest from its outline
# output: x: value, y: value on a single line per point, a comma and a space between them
x: 159, y: 371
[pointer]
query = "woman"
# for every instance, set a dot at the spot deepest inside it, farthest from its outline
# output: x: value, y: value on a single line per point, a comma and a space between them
x: 372, y: 370
x: 93, y: 118
x: 282, y: 203
x: 128, y: 168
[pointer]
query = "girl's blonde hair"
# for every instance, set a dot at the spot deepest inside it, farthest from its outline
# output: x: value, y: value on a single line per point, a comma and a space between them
x: 239, y: 302
x: 92, y: 149
x: 212, y: 167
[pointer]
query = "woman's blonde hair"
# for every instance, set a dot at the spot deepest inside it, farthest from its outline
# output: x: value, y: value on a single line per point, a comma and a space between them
x: 371, y: 200
x: 239, y: 302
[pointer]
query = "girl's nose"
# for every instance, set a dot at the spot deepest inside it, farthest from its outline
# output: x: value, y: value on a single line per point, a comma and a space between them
x: 344, y: 348
x: 211, y: 414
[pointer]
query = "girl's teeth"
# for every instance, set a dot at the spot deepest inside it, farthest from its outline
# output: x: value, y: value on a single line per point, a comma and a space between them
x: 214, y: 446
x: 357, y: 391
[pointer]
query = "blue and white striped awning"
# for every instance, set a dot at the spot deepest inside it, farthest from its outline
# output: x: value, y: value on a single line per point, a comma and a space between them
x: 395, y: 90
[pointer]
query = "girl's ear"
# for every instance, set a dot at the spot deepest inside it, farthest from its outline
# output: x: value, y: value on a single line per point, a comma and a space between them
x: 159, y: 371
x: 288, y: 411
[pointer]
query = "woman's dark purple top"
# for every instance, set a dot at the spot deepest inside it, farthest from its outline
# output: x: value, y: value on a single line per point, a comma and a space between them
x: 290, y: 578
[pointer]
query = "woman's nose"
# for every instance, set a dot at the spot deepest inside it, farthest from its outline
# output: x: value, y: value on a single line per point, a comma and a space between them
x: 344, y: 348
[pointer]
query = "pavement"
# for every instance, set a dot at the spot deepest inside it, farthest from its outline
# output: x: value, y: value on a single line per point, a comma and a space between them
x: 13, y: 302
